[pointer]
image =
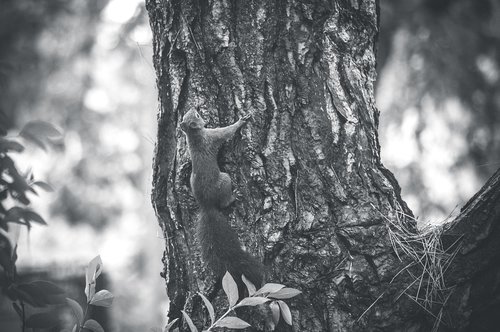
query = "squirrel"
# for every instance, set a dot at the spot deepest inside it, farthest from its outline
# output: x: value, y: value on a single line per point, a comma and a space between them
x: 212, y: 189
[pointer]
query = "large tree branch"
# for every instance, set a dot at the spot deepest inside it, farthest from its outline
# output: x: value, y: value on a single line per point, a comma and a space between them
x: 475, y: 270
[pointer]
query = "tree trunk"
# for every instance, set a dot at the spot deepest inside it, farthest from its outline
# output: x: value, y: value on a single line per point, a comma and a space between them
x: 319, y: 208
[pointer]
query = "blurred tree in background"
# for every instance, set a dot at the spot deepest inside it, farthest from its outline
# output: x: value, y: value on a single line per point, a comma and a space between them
x: 84, y: 66
x: 439, y: 96
x: 31, y: 34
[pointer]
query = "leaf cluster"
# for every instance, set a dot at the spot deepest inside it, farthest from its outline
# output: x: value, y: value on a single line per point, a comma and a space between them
x: 14, y: 209
x: 40, y: 294
x: 270, y: 294
x: 15, y: 186
x: 14, y: 189
x: 102, y: 298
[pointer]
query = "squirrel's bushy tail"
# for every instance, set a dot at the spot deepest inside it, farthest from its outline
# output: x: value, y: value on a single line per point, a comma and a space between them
x: 221, y: 248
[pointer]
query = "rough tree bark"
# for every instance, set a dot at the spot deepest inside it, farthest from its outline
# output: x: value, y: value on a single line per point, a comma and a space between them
x: 319, y: 208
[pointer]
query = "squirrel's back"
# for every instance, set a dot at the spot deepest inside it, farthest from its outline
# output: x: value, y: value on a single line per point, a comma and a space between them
x: 206, y: 178
x: 212, y: 189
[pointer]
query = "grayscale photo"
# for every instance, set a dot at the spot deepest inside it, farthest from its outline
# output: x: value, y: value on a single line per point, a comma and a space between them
x: 249, y: 165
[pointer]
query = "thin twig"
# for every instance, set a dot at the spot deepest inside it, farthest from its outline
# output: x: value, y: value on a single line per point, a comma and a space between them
x: 84, y: 317
x: 24, y: 317
x: 173, y: 43
x: 191, y: 32
x: 220, y: 318
x: 378, y: 298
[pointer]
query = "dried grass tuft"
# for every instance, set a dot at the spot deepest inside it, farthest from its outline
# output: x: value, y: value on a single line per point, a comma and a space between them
x: 429, y: 261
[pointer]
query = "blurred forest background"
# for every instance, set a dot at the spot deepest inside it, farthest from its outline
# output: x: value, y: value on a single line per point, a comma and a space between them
x: 85, y: 66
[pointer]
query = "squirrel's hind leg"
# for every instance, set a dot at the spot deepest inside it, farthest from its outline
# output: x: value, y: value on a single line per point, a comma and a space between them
x: 226, y: 191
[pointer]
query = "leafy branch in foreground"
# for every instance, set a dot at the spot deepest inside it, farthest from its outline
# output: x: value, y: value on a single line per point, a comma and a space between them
x: 15, y: 213
x: 14, y: 210
x: 272, y: 294
x: 102, y: 298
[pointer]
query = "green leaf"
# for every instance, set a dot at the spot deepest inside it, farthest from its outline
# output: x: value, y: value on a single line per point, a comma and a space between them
x: 23, y: 216
x: 14, y: 255
x: 285, y: 312
x: 8, y: 145
x: 26, y: 297
x: 230, y: 288
x: 94, y: 269
x: 4, y: 119
x: 40, y: 129
x: 192, y: 328
x: 33, y: 216
x: 16, y: 182
x: 18, y: 309
x: 209, y: 306
x: 74, y: 328
x: 21, y: 197
x: 48, y: 287
x: 14, y: 215
x: 249, y: 284
x: 45, y: 186
x: 37, y: 141
x: 285, y: 293
x: 269, y: 288
x: 39, y: 293
x: 232, y: 323
x: 42, y: 320
x: 169, y: 325
x: 40, y: 132
x: 93, y: 326
x: 252, y: 301
x: 90, y: 291
x: 12, y: 238
x: 102, y: 298
x: 275, y: 310
x: 9, y: 267
x: 76, y: 309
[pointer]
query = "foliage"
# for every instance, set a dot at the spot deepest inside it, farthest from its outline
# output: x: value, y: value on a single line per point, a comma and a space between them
x: 14, y: 202
x: 15, y: 186
x: 102, y: 298
x: 272, y: 294
x: 14, y: 209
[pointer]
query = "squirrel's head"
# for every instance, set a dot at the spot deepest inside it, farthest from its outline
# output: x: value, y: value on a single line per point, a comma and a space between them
x: 192, y: 121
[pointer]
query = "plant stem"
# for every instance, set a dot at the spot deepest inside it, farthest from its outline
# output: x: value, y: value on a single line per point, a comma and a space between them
x: 80, y: 326
x: 24, y: 317
x: 221, y: 317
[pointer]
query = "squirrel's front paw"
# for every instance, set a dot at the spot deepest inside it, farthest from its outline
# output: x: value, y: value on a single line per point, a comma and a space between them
x: 237, y: 194
x: 246, y: 117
